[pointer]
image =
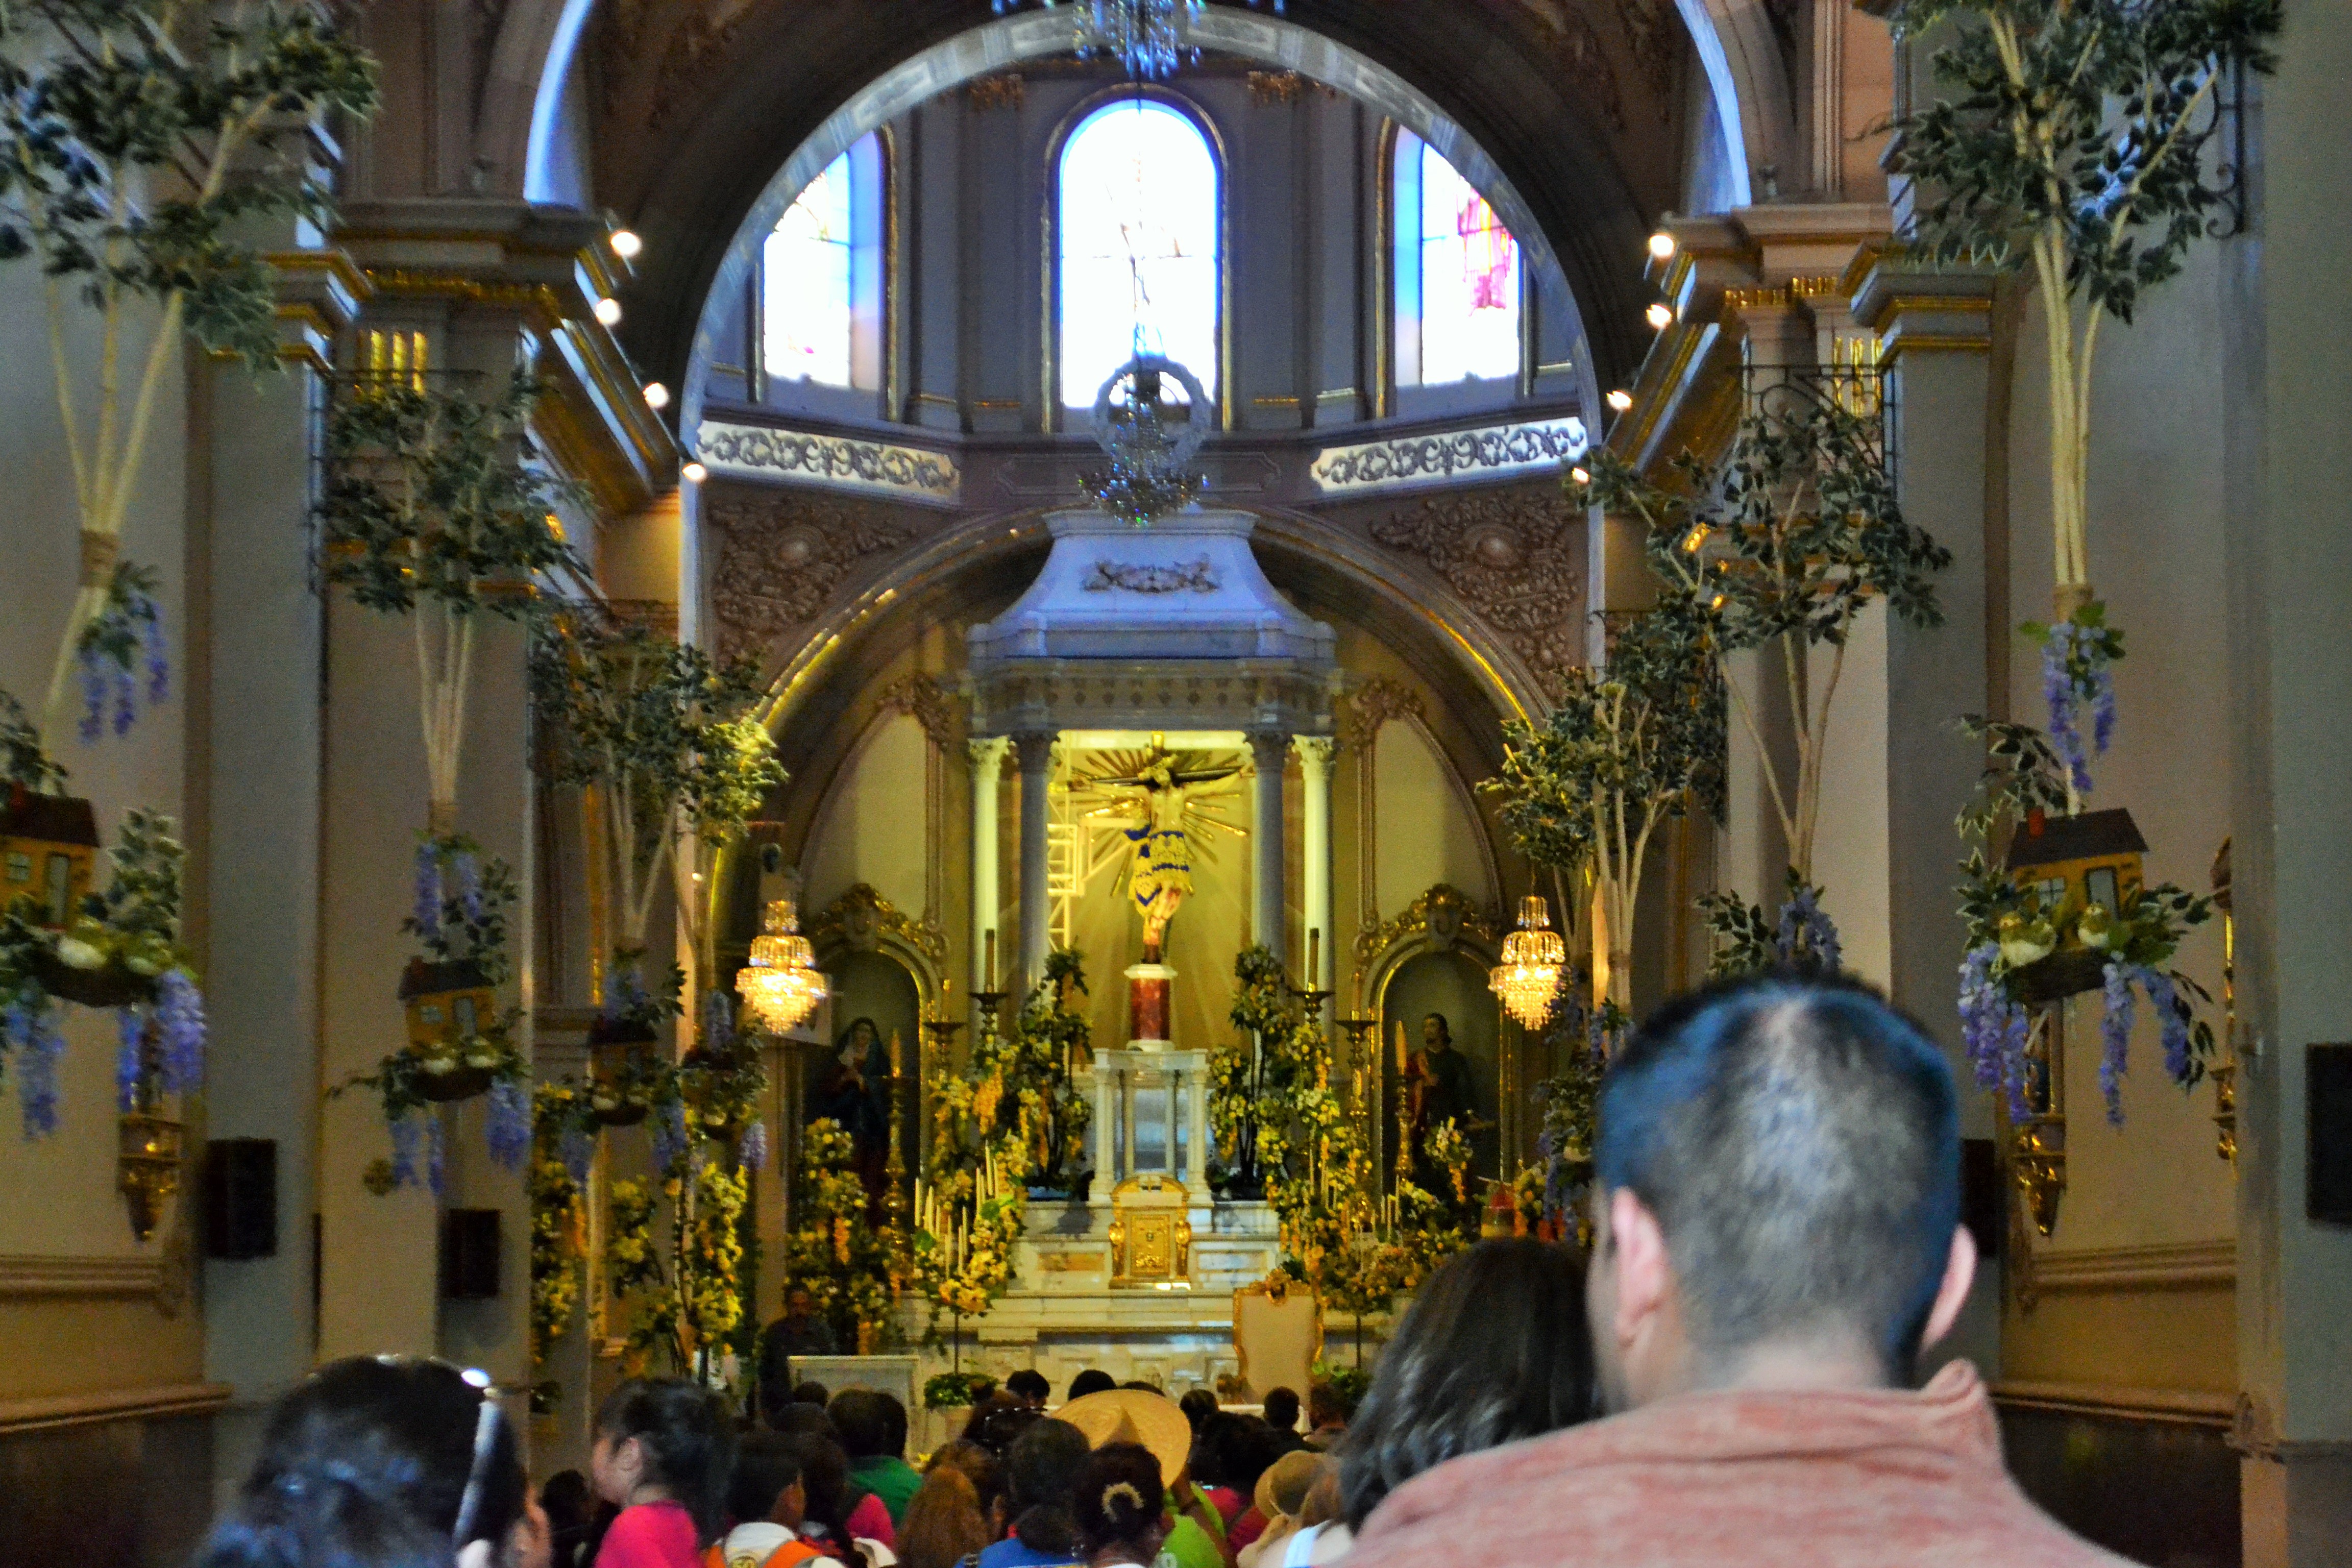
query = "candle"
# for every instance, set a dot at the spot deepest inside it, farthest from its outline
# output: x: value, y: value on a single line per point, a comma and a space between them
x: 1313, y: 957
x: 992, y: 958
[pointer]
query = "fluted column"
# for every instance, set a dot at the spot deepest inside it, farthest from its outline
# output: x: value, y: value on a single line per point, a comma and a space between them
x: 1314, y: 755
x: 1035, y: 750
x: 1270, y: 748
x: 987, y: 897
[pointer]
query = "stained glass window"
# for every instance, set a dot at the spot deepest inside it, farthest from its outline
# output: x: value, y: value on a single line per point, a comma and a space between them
x: 1458, y: 276
x: 1139, y: 222
x: 806, y: 322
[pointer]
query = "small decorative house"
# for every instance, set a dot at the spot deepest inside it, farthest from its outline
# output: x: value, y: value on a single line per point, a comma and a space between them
x: 2073, y: 862
x: 49, y: 851
x: 447, y: 1003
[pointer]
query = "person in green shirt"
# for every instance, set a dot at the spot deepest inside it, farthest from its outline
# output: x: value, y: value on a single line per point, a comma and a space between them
x: 872, y: 1429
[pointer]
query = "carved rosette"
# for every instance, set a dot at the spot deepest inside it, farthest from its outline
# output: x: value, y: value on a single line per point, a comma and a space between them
x: 782, y: 558
x: 1518, y: 557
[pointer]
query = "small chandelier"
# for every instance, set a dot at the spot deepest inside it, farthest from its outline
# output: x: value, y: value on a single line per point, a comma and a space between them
x: 1533, y: 956
x: 781, y: 986
x: 1147, y: 37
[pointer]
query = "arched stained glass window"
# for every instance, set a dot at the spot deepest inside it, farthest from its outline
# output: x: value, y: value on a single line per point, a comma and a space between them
x: 1139, y: 219
x: 821, y: 278
x: 1460, y: 284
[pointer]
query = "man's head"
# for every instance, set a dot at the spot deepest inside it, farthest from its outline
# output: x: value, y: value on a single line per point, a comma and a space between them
x: 1282, y: 1410
x: 1778, y: 1195
x: 872, y: 1425
x: 1435, y: 1033
x: 1326, y: 1407
x: 1094, y: 1379
x: 767, y: 1481
x: 1030, y: 1387
x: 799, y: 1305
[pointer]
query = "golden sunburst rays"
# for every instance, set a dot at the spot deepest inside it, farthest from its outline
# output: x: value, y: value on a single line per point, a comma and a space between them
x: 1133, y: 788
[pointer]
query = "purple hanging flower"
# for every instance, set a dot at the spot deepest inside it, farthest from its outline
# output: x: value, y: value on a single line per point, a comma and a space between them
x: 2102, y: 709
x: 1995, y: 1029
x: 1807, y: 935
x: 578, y: 1147
x: 158, y: 664
x: 436, y: 1157
x: 129, y: 1058
x: 126, y: 708
x: 427, y: 915
x: 179, y: 1015
x: 2171, y: 1017
x: 753, y: 1153
x: 509, y: 1123
x: 718, y: 1020
x: 93, y: 699
x: 669, y: 1135
x: 36, y: 1074
x: 2114, y: 1035
x: 469, y: 887
x: 2058, y: 692
x: 407, y: 1142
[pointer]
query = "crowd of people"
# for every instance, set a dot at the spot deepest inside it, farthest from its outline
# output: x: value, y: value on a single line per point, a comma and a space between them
x: 1728, y: 1379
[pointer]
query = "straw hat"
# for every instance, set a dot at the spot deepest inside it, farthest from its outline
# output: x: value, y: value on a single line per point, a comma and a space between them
x: 1134, y: 1416
x: 1283, y: 1489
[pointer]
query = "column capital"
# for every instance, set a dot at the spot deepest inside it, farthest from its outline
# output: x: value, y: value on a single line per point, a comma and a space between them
x: 1269, y: 747
x: 1914, y: 309
x: 1035, y: 749
x: 1316, y: 753
x: 988, y: 751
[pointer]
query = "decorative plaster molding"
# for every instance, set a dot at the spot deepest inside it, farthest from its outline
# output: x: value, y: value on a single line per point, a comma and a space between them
x: 1115, y: 576
x: 933, y: 704
x: 18, y: 1416
x: 1518, y: 557
x: 862, y: 917
x: 1499, y: 451
x: 2178, y: 1266
x: 35, y: 1274
x: 1373, y: 704
x: 834, y: 462
x: 782, y: 558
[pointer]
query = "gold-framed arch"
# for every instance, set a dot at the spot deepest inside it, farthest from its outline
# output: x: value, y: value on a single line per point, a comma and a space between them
x: 863, y: 920
x: 1442, y: 920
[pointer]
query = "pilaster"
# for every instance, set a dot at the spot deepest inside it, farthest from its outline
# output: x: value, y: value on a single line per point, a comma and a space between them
x: 1270, y: 750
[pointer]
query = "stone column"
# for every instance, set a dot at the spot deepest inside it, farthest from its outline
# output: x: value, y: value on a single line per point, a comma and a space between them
x: 1035, y: 750
x: 1315, y: 756
x: 1106, y: 1091
x: 987, y: 899
x: 1196, y: 1111
x: 1270, y: 749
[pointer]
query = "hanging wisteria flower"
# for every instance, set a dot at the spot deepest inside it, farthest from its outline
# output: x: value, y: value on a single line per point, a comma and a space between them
x: 753, y: 1153
x: 669, y: 1135
x: 159, y: 665
x: 509, y: 1123
x: 2114, y: 1035
x: 129, y: 1058
x: 180, y: 1018
x: 436, y: 1157
x: 36, y: 1074
x: 469, y: 886
x: 718, y: 1020
x: 93, y: 700
x: 1807, y: 936
x: 578, y: 1147
x: 407, y: 1142
x: 2170, y: 1015
x: 1995, y: 1029
x: 427, y: 915
x: 2058, y: 693
x: 126, y: 709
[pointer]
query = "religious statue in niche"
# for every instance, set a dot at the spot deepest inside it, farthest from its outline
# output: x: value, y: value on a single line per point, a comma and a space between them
x: 1436, y: 1083
x: 854, y: 1093
x: 1169, y: 806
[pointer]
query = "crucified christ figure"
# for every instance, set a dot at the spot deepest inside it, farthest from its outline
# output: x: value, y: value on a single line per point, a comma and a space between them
x: 1162, y: 799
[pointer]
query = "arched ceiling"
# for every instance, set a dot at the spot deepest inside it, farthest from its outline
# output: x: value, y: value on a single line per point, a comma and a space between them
x: 695, y: 104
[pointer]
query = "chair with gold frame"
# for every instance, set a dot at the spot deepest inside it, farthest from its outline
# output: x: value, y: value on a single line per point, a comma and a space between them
x: 1277, y: 1335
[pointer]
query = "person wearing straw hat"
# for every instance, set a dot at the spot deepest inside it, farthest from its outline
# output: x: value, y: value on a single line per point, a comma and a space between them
x: 1196, y: 1535
x: 1281, y: 1498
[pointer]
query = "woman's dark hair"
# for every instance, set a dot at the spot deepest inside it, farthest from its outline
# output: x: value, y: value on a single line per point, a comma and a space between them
x: 945, y: 1521
x: 872, y: 1425
x: 1230, y: 1451
x: 981, y: 1409
x: 688, y: 1439
x: 824, y: 1473
x: 765, y: 1464
x: 1493, y: 1349
x: 1092, y: 1381
x: 1120, y: 1501
x: 1003, y: 1429
x: 367, y: 1464
x: 799, y: 1418
x: 1029, y: 1384
x: 1282, y: 1410
x: 1198, y: 1407
x: 1040, y: 1476
x: 565, y: 1498
x: 978, y: 1464
x: 812, y: 1393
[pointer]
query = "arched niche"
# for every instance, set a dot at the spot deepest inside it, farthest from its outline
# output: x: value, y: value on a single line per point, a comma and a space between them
x: 886, y: 966
x: 1451, y: 984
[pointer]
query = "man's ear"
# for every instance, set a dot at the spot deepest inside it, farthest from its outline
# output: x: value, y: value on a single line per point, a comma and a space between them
x: 1959, y: 1273
x: 1644, y: 1276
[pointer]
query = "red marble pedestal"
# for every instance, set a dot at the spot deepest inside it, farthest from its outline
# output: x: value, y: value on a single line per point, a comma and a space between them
x: 1148, y: 987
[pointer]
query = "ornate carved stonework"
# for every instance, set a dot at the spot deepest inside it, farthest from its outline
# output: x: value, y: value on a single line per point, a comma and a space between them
x: 1374, y: 704
x: 1114, y: 576
x: 1580, y: 52
x: 931, y: 703
x: 681, y: 77
x: 1499, y: 451
x: 783, y: 557
x: 837, y: 462
x: 1517, y: 556
x: 862, y: 917
x: 1007, y: 89
x: 1444, y: 914
x: 1658, y: 41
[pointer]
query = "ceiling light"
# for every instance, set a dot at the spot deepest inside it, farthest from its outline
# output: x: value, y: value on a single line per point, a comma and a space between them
x: 657, y: 396
x: 1660, y: 316
x: 608, y: 310
x: 1621, y: 400
x: 694, y: 473
x: 626, y: 244
x: 1661, y: 246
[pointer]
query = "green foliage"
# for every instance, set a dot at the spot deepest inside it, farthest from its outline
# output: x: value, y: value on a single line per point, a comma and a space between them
x: 2023, y: 773
x: 957, y: 1390
x: 2080, y: 124
x: 1747, y: 939
x: 428, y: 498
x: 129, y: 131
x: 830, y: 1251
x: 1350, y: 1382
x: 24, y: 763
x: 1041, y: 1106
x: 473, y: 899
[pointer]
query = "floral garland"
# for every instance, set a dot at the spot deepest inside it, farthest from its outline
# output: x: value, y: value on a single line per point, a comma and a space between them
x: 558, y: 1218
x: 1272, y: 1103
x: 971, y: 1208
x: 830, y: 1251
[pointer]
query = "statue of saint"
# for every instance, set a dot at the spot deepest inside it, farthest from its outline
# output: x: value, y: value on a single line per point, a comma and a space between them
x: 1166, y: 801
x: 855, y: 1094
x: 1437, y: 1087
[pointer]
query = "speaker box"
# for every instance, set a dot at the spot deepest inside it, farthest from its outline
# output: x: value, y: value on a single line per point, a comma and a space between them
x: 2328, y: 1170
x: 241, y: 1198
x: 469, y: 1255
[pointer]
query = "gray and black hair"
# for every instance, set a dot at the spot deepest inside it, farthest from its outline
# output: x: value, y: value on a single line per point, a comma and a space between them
x: 1799, y: 1142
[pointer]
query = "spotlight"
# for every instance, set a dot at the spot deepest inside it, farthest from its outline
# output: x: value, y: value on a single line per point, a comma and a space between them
x: 657, y: 396
x: 626, y: 244
x: 694, y: 473
x: 1621, y: 400
x: 1661, y: 246
x: 1582, y: 476
x: 608, y: 310
x: 1660, y: 316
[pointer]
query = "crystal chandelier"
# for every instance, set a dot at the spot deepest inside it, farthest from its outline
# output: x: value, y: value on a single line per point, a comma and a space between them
x: 1528, y: 978
x: 781, y: 986
x: 1144, y: 35
x: 1150, y: 438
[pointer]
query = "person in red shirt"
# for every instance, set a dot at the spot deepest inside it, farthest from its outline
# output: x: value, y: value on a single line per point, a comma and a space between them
x: 664, y: 1453
x: 1778, y: 1237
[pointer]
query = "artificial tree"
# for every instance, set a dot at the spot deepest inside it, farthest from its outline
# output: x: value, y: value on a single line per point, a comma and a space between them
x: 2076, y: 146
x: 1630, y: 747
x: 1781, y: 549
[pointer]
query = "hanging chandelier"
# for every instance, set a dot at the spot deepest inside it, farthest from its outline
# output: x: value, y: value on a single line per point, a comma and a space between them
x: 1533, y: 956
x: 781, y: 986
x: 1145, y: 36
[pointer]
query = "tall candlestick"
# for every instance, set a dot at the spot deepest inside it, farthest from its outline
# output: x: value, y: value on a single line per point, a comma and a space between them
x: 992, y: 958
x: 1313, y: 957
